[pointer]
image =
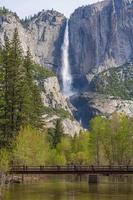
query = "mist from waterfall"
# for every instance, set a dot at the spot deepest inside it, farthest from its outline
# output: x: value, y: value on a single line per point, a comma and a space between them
x: 66, y: 71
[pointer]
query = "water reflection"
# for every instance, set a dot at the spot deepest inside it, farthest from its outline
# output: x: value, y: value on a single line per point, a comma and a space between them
x: 64, y: 189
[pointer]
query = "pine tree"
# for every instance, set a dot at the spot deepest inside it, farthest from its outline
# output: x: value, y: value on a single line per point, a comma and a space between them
x: 4, y: 90
x: 27, y: 106
x: 58, y: 132
x: 20, y: 97
x: 11, y: 82
x: 16, y: 81
x: 55, y: 134
x: 2, y: 102
x: 35, y: 102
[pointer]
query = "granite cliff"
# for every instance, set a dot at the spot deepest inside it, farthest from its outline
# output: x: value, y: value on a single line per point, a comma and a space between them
x: 42, y: 33
x: 101, y: 56
x: 101, y: 37
x: 89, y: 104
x: 101, y: 42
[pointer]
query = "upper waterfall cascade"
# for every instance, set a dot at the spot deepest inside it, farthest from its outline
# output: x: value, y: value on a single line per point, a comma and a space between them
x: 66, y: 71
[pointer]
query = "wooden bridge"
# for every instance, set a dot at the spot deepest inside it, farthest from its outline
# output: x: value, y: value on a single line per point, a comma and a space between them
x: 90, y: 170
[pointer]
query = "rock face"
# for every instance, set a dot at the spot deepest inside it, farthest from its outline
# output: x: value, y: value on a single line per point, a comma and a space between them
x: 57, y: 107
x: 101, y: 42
x: 71, y: 127
x: 43, y: 34
x: 101, y: 36
x: 90, y: 104
x: 52, y: 96
x: 107, y: 105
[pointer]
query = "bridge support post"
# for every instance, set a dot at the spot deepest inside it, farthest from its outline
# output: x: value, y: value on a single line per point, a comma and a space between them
x: 22, y: 178
x: 93, y: 179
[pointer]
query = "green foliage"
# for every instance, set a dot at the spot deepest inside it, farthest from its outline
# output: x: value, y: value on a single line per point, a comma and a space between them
x: 116, y: 82
x: 42, y: 73
x: 31, y: 147
x: 120, y: 145
x: 56, y: 134
x: 71, y: 150
x: 111, y: 140
x: 4, y: 160
x: 4, y: 11
x: 80, y: 153
x: 97, y: 128
x: 64, y: 148
x: 34, y: 105
x: 55, y: 158
x: 11, y: 85
x: 20, y: 96
x: 60, y: 112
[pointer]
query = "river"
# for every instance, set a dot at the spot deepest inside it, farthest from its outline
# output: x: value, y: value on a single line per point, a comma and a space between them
x: 62, y: 189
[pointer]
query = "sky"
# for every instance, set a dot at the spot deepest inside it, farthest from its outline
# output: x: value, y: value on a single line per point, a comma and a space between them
x: 29, y: 7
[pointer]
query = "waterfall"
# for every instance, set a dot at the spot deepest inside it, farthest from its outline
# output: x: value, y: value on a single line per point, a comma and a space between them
x: 66, y: 71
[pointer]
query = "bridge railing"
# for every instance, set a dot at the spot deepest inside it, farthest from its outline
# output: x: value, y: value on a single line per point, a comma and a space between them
x: 72, y: 168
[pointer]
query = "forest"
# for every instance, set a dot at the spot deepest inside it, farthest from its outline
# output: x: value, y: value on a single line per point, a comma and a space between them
x: 106, y: 142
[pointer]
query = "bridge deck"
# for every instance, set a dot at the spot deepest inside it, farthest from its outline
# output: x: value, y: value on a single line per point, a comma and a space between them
x: 71, y: 170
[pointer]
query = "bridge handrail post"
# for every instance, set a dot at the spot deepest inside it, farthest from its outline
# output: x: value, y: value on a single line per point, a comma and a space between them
x: 41, y: 168
x: 24, y: 168
x: 92, y: 168
x: 58, y: 167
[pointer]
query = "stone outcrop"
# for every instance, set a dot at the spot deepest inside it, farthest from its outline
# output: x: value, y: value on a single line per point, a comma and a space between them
x: 43, y: 34
x: 88, y: 105
x: 57, y: 107
x: 52, y: 96
x: 101, y: 36
x: 70, y: 127
x: 109, y: 105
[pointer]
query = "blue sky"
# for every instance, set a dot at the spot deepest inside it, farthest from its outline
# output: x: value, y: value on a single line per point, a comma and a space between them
x: 29, y: 7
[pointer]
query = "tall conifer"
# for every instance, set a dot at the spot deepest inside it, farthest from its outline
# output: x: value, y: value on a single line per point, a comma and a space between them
x: 20, y: 97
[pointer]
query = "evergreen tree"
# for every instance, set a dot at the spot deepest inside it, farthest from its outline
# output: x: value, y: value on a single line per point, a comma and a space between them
x: 4, y: 90
x: 37, y: 109
x: 35, y: 106
x: 20, y: 99
x: 55, y: 134
x: 58, y: 133
x: 16, y: 82
x: 20, y: 95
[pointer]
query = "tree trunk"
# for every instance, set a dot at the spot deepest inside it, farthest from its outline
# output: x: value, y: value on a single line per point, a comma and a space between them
x: 2, y: 183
